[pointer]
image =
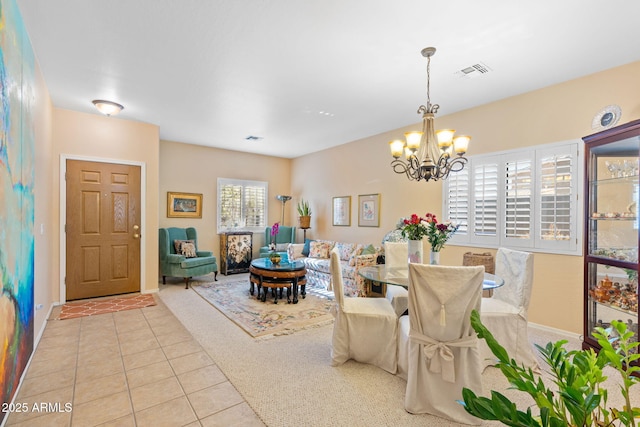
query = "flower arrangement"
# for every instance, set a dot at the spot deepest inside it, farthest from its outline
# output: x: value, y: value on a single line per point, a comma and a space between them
x: 274, y: 232
x: 415, y: 228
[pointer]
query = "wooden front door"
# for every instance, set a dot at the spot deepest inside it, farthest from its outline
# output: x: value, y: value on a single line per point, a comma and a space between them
x: 102, y: 229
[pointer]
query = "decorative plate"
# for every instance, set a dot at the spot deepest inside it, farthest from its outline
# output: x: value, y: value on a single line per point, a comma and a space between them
x: 607, y: 117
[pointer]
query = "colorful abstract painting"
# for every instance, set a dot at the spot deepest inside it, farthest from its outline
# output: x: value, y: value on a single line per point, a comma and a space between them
x: 17, y: 144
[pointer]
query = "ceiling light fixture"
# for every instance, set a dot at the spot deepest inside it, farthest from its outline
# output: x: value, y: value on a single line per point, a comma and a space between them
x: 423, y: 148
x: 107, y: 107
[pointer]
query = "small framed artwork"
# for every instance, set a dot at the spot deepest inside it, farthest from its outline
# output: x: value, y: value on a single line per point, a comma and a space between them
x: 342, y: 211
x: 369, y: 210
x: 184, y: 205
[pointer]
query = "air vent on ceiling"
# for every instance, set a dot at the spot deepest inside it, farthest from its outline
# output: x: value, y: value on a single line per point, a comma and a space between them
x: 472, y: 71
x: 253, y: 138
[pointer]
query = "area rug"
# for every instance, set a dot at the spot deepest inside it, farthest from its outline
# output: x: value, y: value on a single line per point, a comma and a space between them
x: 264, y: 319
x: 93, y: 307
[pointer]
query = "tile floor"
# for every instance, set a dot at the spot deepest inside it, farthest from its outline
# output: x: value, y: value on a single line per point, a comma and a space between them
x: 137, y: 367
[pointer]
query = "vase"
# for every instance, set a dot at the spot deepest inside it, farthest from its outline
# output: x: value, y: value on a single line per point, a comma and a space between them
x: 275, y: 258
x: 415, y: 251
x: 434, y: 258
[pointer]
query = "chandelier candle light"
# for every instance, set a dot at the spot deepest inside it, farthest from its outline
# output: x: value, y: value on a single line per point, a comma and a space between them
x: 429, y: 157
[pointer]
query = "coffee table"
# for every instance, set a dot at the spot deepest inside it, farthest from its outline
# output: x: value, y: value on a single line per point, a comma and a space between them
x: 267, y: 275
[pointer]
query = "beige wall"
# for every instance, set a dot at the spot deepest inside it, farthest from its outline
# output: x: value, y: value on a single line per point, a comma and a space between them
x: 196, y: 169
x: 101, y: 138
x: 556, y: 113
x: 45, y: 289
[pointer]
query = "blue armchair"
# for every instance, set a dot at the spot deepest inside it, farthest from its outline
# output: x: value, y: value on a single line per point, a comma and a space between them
x: 285, y: 235
x: 175, y: 264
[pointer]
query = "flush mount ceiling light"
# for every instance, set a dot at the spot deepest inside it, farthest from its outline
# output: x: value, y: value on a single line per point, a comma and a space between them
x: 429, y: 157
x: 107, y: 107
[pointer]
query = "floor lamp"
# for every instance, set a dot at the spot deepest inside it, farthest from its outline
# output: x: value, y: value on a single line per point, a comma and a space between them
x: 283, y: 199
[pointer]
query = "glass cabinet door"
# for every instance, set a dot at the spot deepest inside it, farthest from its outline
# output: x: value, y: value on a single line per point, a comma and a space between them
x: 612, y: 232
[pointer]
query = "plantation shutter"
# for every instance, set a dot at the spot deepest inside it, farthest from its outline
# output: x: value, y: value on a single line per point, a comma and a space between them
x: 457, y: 203
x: 241, y: 204
x: 518, y: 193
x: 485, y: 200
x: 557, y: 198
x: 254, y: 206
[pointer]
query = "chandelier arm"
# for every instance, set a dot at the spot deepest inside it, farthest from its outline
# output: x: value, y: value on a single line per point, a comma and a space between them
x: 401, y: 167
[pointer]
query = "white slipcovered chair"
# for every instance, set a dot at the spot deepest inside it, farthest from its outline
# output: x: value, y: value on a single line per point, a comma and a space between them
x: 365, y: 329
x: 396, y: 254
x: 440, y: 355
x: 505, y: 313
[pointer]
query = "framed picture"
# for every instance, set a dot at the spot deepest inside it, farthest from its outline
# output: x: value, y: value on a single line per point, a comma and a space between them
x: 184, y: 205
x: 342, y: 210
x: 369, y: 210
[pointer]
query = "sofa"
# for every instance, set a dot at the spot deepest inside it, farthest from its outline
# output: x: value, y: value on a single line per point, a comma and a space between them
x: 180, y: 257
x: 353, y: 256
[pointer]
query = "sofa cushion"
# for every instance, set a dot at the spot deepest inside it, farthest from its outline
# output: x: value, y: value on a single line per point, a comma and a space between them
x: 196, y: 262
x: 320, y: 249
x: 317, y: 264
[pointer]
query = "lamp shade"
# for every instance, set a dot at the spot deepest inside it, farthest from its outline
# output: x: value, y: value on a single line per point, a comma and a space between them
x: 397, y: 148
x: 461, y: 143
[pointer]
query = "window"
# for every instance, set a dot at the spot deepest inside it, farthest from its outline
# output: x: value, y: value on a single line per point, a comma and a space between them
x: 242, y: 204
x: 526, y: 199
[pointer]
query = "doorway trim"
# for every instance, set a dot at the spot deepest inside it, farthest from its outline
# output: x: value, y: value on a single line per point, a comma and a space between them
x: 63, y: 216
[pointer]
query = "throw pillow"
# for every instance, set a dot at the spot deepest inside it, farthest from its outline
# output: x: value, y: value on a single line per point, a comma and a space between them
x: 357, y: 251
x: 307, y: 247
x: 369, y: 250
x: 320, y: 249
x: 281, y: 247
x: 296, y: 250
x: 188, y: 250
x: 345, y: 249
x: 178, y: 244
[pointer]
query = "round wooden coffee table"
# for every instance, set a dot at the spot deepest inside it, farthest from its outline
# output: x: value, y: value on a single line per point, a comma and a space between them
x: 267, y: 275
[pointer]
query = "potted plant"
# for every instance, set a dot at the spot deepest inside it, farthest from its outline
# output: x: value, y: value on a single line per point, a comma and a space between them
x: 305, y: 214
x: 580, y: 398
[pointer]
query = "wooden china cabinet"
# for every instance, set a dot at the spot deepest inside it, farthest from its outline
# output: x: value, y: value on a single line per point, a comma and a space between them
x: 611, y: 234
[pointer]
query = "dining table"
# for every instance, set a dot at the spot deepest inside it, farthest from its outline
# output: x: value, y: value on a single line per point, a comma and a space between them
x: 381, y: 275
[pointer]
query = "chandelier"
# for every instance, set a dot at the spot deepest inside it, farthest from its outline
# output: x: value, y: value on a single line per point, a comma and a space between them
x: 429, y: 154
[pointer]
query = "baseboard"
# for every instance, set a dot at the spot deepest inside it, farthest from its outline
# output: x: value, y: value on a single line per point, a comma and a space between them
x: 568, y: 334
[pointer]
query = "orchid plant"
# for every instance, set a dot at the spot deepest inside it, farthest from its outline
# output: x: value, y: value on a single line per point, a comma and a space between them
x: 274, y: 232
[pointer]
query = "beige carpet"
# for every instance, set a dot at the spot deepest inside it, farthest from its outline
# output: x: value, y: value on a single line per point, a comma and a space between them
x: 288, y: 380
x: 262, y: 319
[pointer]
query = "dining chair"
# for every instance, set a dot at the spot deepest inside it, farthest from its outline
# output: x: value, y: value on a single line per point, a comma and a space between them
x: 396, y: 254
x: 505, y: 314
x: 440, y: 355
x: 365, y: 329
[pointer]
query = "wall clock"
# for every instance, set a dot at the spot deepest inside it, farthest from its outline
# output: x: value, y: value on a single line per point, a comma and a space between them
x: 607, y: 117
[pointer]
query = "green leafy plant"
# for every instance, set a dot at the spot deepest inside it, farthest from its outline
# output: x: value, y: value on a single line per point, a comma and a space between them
x: 580, y: 398
x: 303, y: 208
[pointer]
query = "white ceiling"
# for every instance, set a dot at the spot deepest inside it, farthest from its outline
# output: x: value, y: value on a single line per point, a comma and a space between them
x: 306, y: 75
